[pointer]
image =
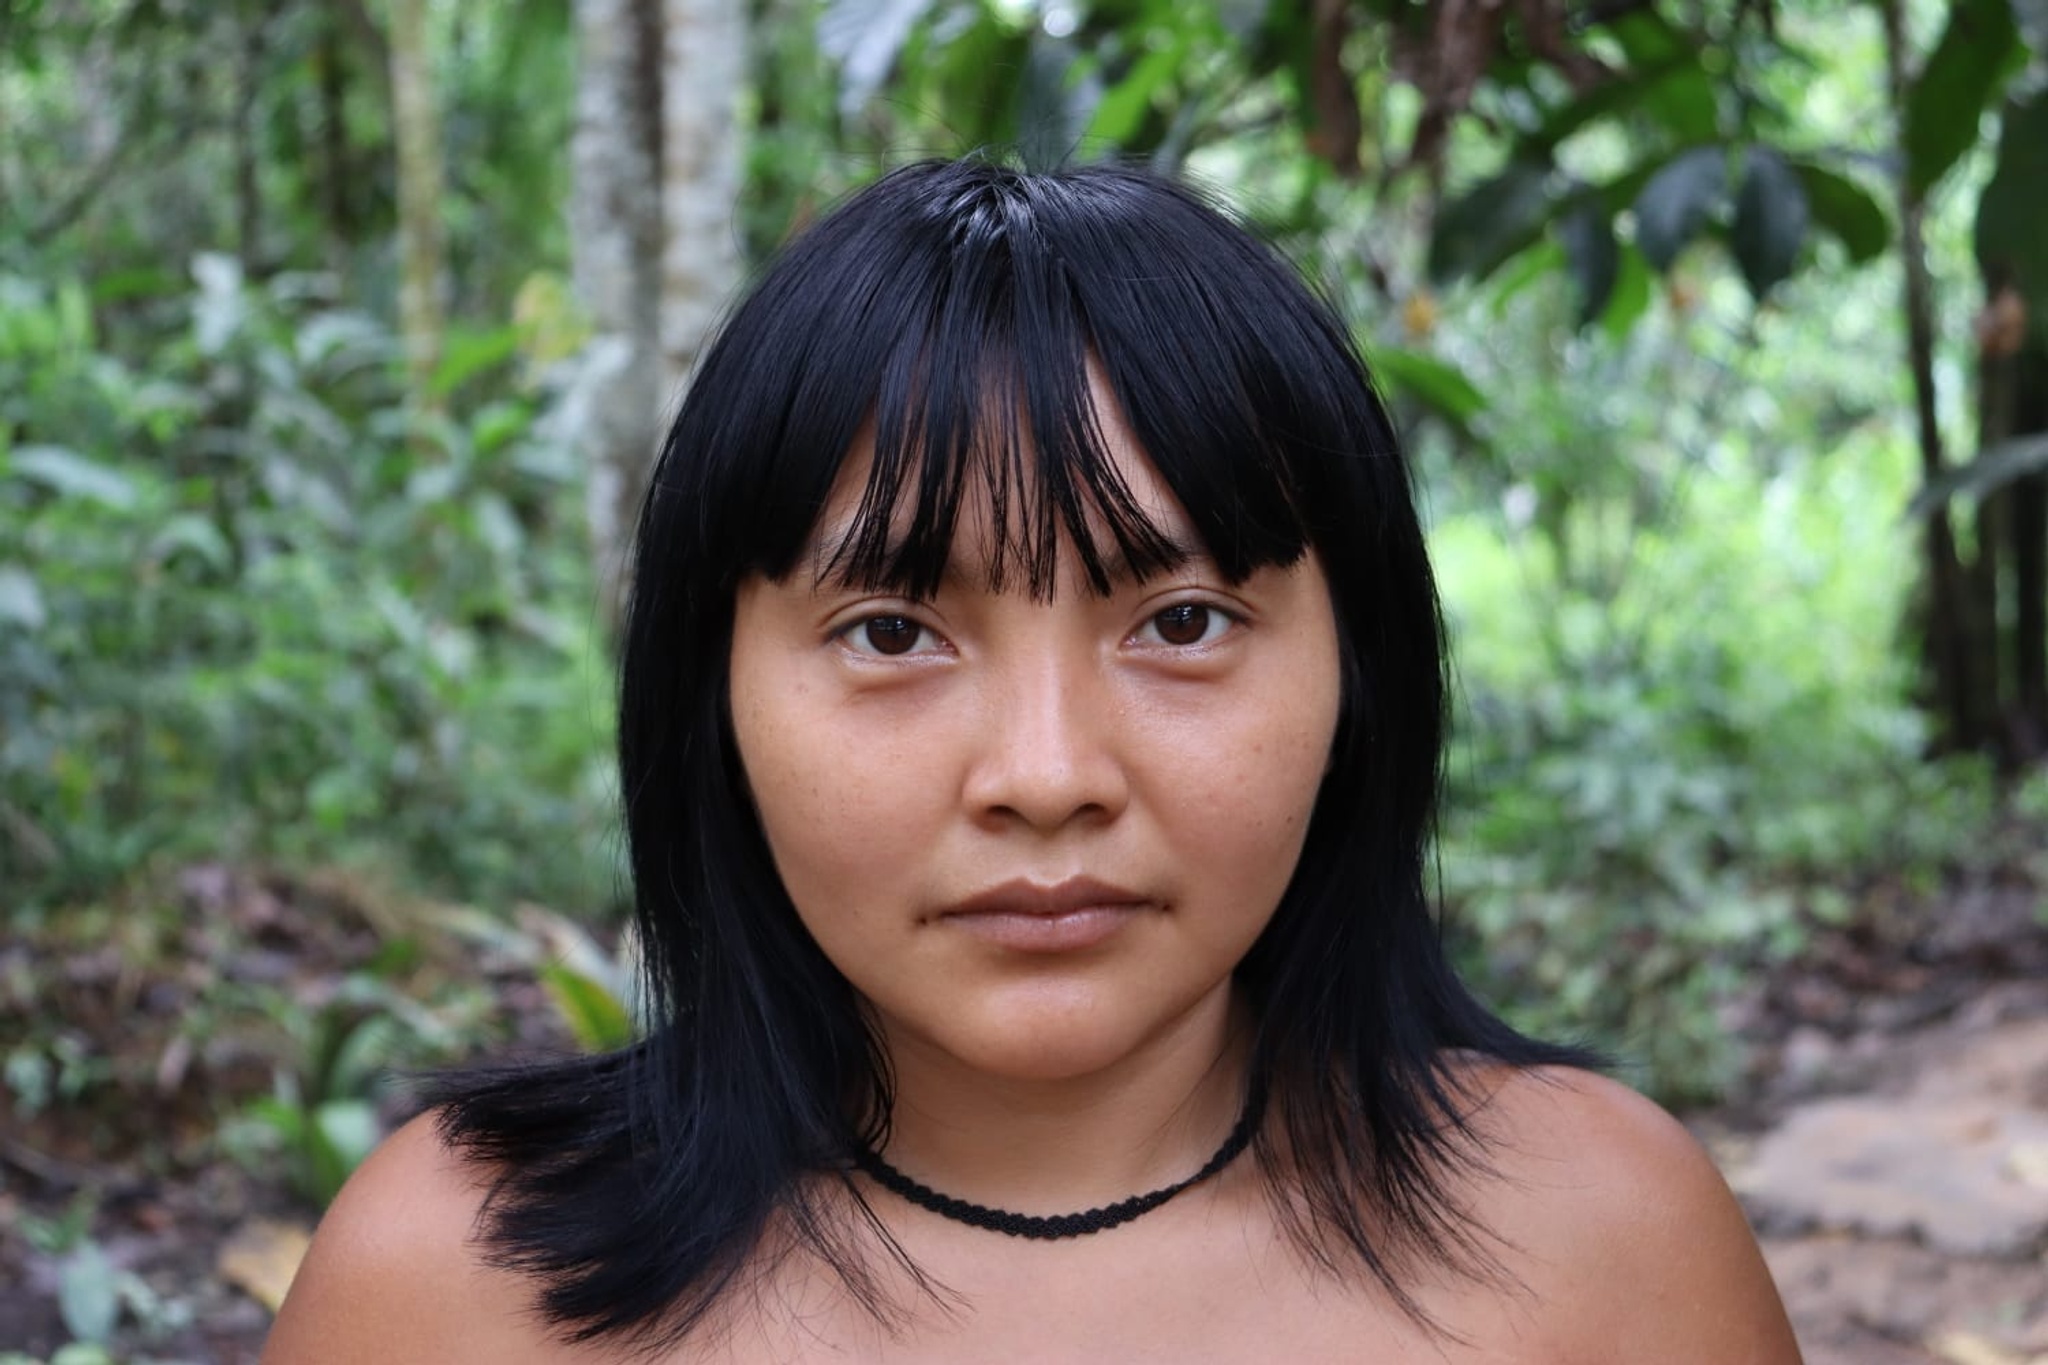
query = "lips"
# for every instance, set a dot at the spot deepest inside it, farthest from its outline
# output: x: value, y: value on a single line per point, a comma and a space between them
x: 1069, y: 916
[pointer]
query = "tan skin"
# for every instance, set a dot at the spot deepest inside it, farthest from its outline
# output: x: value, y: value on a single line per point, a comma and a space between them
x: 914, y: 763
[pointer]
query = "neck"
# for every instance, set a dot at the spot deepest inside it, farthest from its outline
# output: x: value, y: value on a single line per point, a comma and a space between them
x: 1060, y: 1144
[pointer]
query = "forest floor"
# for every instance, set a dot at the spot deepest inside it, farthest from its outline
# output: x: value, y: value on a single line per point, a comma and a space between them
x: 1892, y: 1147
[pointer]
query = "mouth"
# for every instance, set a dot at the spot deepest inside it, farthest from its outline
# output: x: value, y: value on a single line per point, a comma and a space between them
x: 1069, y: 916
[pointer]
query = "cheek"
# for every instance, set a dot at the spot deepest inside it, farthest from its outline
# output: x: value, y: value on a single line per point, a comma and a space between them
x: 837, y: 804
x: 1245, y: 781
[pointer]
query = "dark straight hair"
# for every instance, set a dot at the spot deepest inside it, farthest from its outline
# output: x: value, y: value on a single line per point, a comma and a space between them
x: 958, y: 311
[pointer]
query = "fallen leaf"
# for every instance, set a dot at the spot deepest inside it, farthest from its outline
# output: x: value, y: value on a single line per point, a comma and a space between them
x: 1967, y: 1348
x: 2029, y: 1162
x: 261, y: 1258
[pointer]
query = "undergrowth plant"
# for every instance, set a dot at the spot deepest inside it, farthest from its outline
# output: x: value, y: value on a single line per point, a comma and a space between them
x: 252, y: 604
x: 1685, y: 732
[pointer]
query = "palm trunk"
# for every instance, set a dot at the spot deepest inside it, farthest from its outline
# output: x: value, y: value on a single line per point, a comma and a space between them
x: 656, y: 166
x: 417, y: 126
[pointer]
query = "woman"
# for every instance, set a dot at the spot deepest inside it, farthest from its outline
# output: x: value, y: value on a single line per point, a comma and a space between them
x: 1031, y: 724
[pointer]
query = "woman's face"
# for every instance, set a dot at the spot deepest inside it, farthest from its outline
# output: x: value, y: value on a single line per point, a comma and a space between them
x: 1036, y: 836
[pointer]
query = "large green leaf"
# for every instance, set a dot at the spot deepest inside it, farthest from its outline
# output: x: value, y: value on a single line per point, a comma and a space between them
x: 1492, y: 221
x: 1436, y: 384
x: 597, y: 1018
x: 1844, y: 209
x: 1963, y: 75
x: 1681, y: 97
x: 1677, y: 202
x: 1627, y: 92
x: 89, y: 1293
x: 2012, y: 214
x: 1771, y: 217
x: 1593, y: 257
x: 1123, y: 108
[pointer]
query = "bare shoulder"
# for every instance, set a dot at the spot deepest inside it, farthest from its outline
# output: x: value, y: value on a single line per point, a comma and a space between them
x: 394, y: 1274
x: 1622, y: 1226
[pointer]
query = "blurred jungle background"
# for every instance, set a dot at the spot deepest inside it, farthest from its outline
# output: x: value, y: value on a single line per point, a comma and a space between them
x: 334, y: 340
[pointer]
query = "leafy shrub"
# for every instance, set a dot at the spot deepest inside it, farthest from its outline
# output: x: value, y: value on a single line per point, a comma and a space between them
x: 251, y: 604
x: 1685, y: 730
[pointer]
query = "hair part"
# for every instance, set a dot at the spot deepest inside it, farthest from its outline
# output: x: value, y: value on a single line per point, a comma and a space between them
x: 960, y: 314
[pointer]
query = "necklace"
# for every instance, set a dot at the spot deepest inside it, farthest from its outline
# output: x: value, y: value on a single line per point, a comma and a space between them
x: 1051, y: 1227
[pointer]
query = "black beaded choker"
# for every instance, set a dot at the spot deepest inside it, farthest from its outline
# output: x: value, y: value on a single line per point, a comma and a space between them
x: 1051, y: 1227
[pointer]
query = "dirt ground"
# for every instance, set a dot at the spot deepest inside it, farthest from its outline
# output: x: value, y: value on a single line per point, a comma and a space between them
x: 1894, y: 1153
x: 1892, y: 1146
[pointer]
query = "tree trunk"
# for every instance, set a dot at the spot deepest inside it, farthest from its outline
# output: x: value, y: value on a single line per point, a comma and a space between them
x: 248, y: 190
x: 1945, y: 606
x: 615, y: 248
x: 2026, y: 517
x: 656, y: 171
x: 330, y: 135
x: 416, y: 125
x: 704, y: 61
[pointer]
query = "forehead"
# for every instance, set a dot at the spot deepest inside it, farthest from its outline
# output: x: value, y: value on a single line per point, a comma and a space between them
x: 1006, y: 511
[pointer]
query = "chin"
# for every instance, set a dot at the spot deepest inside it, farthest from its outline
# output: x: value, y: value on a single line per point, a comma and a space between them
x: 1047, y: 1036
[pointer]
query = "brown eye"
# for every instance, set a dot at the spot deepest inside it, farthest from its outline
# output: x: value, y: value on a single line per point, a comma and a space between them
x: 1187, y: 623
x: 890, y: 634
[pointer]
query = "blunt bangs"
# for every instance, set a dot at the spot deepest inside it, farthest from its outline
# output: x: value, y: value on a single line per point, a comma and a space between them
x: 956, y: 320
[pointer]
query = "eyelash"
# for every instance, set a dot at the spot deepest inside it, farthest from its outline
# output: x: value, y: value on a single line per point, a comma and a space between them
x: 852, y: 634
x: 1229, y: 620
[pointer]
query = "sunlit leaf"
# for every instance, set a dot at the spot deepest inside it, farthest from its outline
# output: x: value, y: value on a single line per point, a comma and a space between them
x: 196, y: 535
x: 1436, y: 384
x: 1962, y: 77
x: 1770, y: 220
x: 74, y: 314
x: 598, y: 1019
x: 1677, y: 202
x: 89, y: 1293
x: 1617, y: 98
x: 469, y: 352
x: 342, y: 1135
x: 1844, y: 209
x: 68, y: 473
x: 220, y: 309
x: 1633, y: 288
x: 21, y: 600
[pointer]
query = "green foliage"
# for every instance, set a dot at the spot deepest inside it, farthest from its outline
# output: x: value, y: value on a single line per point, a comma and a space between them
x: 1977, y: 54
x: 93, y: 1293
x: 1771, y: 216
x: 321, y: 1119
x: 2010, y: 241
x: 1684, y: 730
x: 258, y: 607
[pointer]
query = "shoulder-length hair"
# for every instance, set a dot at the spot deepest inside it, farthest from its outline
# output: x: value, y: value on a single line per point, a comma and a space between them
x: 636, y: 1187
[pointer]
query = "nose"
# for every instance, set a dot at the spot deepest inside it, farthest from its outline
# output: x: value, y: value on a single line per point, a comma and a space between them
x: 1049, y: 754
